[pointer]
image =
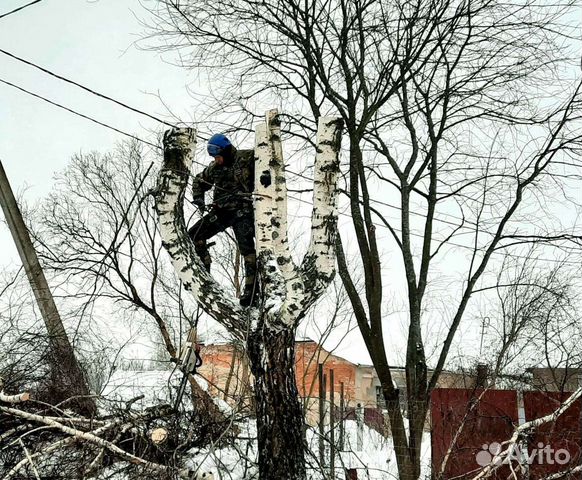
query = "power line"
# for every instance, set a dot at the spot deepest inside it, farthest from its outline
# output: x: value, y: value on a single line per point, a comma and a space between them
x: 117, y: 102
x: 412, y: 212
x: 87, y: 89
x: 448, y: 242
x: 106, y: 97
x: 91, y: 119
x: 19, y: 8
x: 96, y: 93
x: 158, y: 147
x: 135, y: 110
x: 82, y: 115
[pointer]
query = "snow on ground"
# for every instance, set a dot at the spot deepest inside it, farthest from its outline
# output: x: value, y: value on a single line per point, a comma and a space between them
x: 371, y: 454
x: 157, y: 387
x: 375, y: 460
x: 237, y: 462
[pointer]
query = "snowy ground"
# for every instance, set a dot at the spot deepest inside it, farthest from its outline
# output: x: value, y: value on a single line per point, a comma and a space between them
x: 372, y: 455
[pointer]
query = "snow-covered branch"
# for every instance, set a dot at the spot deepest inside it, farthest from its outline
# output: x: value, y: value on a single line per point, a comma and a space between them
x: 279, y: 219
x: 17, y: 398
x: 93, y: 437
x: 264, y: 190
x: 275, y: 261
x: 288, y: 290
x: 570, y: 473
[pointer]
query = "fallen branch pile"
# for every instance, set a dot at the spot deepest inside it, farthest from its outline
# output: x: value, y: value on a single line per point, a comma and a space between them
x: 38, y: 440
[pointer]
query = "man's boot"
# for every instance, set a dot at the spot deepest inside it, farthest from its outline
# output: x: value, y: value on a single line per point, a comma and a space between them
x: 251, y: 291
x: 202, y: 251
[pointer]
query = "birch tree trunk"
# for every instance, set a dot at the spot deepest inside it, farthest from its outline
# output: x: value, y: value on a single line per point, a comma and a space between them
x: 288, y: 290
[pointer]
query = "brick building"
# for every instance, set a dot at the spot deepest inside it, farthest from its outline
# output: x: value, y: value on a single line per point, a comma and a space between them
x: 227, y: 371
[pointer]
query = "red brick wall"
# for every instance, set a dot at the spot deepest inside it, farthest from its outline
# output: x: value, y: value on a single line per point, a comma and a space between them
x: 218, y: 358
x: 308, y: 355
x: 216, y: 367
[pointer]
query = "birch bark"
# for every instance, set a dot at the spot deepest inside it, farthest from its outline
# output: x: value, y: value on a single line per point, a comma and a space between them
x: 287, y: 290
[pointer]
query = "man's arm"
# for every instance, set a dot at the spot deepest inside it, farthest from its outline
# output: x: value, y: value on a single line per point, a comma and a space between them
x: 202, y: 183
x: 248, y: 164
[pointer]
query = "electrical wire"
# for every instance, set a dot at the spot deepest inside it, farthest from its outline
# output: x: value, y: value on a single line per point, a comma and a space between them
x: 448, y: 242
x: 82, y: 115
x: 19, y: 8
x: 141, y: 112
x: 158, y: 147
x: 87, y: 89
x: 133, y: 109
x: 98, y: 122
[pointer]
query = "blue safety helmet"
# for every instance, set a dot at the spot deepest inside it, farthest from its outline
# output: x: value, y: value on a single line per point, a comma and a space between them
x: 217, y: 144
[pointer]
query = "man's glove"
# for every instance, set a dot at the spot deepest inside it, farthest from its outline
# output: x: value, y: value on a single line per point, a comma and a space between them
x: 199, y: 203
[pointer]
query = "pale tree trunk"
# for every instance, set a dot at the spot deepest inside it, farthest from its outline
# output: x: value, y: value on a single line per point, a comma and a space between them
x: 278, y: 409
x: 288, y: 290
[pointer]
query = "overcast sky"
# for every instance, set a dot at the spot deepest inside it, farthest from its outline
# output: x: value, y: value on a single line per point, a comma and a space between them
x: 91, y: 42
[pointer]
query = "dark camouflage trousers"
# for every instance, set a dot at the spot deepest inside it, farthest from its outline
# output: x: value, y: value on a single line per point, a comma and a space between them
x: 242, y: 223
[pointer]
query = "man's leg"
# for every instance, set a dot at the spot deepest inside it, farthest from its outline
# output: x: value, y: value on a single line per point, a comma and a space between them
x: 204, y: 229
x: 244, y: 232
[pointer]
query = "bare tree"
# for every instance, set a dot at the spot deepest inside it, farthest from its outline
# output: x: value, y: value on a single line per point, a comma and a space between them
x: 67, y: 378
x: 98, y: 234
x: 288, y: 290
x: 457, y: 116
x: 536, y: 320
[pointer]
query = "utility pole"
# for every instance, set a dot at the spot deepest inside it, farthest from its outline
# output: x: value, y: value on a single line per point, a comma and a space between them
x: 360, y: 428
x: 67, y: 376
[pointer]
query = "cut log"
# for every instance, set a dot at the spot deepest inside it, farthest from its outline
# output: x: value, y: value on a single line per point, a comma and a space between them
x: 159, y: 435
x: 18, y: 398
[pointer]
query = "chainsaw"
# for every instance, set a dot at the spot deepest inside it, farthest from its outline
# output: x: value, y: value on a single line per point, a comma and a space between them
x: 190, y: 360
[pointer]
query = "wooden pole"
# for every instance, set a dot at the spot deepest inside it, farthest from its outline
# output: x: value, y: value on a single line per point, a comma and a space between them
x: 342, y: 418
x: 360, y: 428
x: 332, y: 424
x: 321, y: 415
x: 65, y: 367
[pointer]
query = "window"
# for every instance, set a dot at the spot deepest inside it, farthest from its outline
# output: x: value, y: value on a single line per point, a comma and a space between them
x: 380, y: 402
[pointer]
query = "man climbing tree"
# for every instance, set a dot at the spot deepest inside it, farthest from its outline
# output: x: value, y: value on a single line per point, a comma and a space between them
x: 288, y: 289
x: 232, y: 176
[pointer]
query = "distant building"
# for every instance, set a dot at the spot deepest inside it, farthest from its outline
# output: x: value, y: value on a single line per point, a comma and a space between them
x: 548, y: 379
x: 228, y: 373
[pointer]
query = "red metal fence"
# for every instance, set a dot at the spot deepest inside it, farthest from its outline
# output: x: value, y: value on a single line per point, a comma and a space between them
x: 465, y: 423
x: 562, y: 436
x: 468, y: 425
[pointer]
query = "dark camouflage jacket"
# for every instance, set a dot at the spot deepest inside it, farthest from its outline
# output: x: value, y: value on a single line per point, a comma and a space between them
x: 233, y: 184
